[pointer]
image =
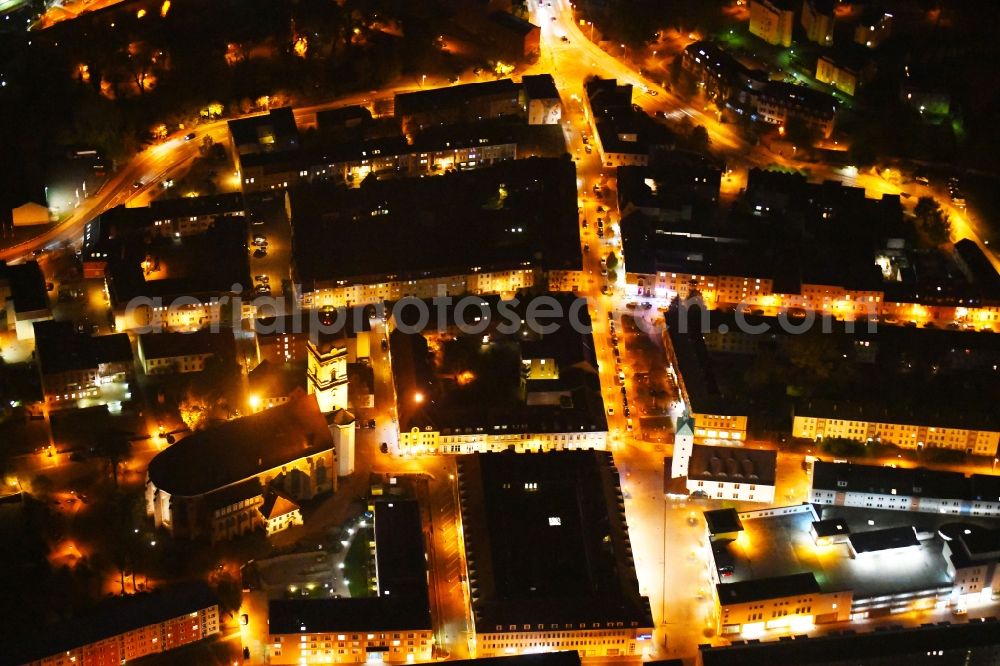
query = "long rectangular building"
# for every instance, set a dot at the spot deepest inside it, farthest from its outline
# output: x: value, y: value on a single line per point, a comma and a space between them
x: 124, y: 629
x: 548, y: 557
x: 495, y: 230
x: 903, y: 489
x: 392, y: 627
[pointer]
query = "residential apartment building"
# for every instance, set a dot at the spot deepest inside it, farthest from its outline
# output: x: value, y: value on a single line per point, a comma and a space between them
x: 822, y: 419
x: 845, y: 68
x: 874, y: 27
x: 463, y: 103
x: 185, y: 216
x: 541, y: 100
x: 80, y: 369
x: 713, y: 418
x: 624, y: 135
x: 533, y: 593
x: 817, y: 20
x: 771, y: 20
x: 392, y: 627
x: 552, y: 398
x: 124, y: 629
x: 903, y: 489
x: 169, y: 353
x: 778, y: 102
x: 522, y: 213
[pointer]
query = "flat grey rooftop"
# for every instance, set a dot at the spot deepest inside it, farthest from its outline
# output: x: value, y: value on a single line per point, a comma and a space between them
x: 781, y: 545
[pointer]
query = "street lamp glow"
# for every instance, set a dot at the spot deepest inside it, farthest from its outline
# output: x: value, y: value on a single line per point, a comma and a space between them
x: 255, y: 402
x: 418, y: 397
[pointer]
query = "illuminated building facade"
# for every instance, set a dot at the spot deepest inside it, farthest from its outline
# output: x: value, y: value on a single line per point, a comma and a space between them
x: 786, y: 569
x: 393, y: 627
x: 184, y: 285
x: 973, y: 642
x: 544, y: 391
x: 124, y: 629
x: 522, y: 215
x: 541, y: 100
x: 823, y: 421
x: 83, y: 370
x: 534, y: 526
x: 771, y: 20
x: 214, y: 482
x: 817, y: 20
x: 166, y: 353
x: 326, y: 372
x: 778, y: 102
x: 726, y: 472
x: 711, y: 417
x: 23, y: 297
x: 903, y: 489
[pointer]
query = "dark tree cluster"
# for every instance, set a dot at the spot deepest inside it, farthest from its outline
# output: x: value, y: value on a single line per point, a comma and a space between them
x: 105, y: 80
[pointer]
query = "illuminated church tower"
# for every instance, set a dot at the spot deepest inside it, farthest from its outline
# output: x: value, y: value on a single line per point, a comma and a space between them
x: 683, y: 446
x: 327, y: 372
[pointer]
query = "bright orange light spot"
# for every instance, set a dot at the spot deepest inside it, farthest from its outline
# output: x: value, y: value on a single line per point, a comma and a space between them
x: 301, y: 47
x: 141, y: 13
x: 164, y: 8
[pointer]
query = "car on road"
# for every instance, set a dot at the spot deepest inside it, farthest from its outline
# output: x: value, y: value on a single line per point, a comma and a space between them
x: 259, y: 253
x: 611, y: 411
x: 189, y: 136
x: 653, y: 93
x: 138, y: 184
x: 564, y: 38
x: 589, y: 150
x: 586, y: 248
x: 262, y: 278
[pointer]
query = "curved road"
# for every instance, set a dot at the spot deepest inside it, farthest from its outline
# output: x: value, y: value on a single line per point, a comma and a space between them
x: 150, y: 167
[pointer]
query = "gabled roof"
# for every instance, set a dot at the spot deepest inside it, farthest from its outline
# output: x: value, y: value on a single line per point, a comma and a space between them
x: 875, y: 479
x: 242, y: 448
x: 180, y: 343
x: 276, y: 504
x: 732, y: 464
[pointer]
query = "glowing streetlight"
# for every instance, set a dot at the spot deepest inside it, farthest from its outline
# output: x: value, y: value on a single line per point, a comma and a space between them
x: 255, y: 402
x: 418, y: 397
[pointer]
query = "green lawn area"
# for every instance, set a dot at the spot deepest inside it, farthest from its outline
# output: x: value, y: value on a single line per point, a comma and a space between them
x: 358, y: 567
